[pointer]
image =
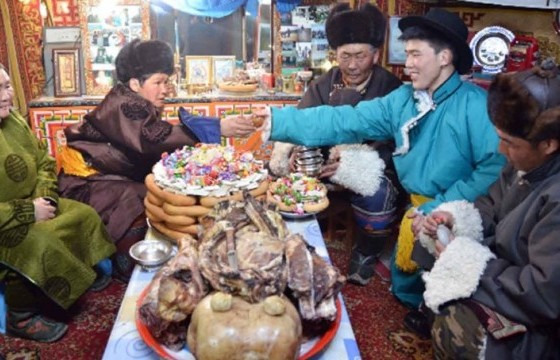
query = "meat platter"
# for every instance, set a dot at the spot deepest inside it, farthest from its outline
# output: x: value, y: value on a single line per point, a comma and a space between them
x: 308, y: 349
x: 247, y: 285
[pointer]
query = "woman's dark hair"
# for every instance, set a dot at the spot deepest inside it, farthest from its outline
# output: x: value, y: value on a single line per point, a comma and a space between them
x: 437, y: 41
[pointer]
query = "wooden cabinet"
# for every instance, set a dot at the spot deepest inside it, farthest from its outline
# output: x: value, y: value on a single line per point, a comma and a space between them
x: 49, y: 118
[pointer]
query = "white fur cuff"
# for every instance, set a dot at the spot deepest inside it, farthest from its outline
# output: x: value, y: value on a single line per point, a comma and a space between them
x: 360, y: 169
x: 467, y: 222
x: 456, y: 273
x: 266, y: 128
x: 280, y: 158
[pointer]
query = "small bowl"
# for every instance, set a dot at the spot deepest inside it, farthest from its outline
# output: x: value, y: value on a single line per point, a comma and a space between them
x: 313, y: 170
x: 151, y: 254
x: 310, y: 161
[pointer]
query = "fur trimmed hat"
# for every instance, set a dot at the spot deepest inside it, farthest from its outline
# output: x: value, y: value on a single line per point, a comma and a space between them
x: 139, y: 58
x: 527, y: 104
x: 366, y: 24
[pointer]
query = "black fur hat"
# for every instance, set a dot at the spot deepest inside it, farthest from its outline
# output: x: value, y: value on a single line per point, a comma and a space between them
x: 364, y: 25
x: 139, y: 58
x: 527, y: 104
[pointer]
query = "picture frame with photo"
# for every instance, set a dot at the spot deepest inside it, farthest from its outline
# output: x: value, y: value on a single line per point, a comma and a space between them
x: 105, y: 31
x: 395, y: 47
x: 222, y: 67
x: 198, y: 70
x: 67, y: 75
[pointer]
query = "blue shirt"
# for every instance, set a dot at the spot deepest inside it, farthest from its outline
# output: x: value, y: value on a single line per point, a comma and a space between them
x: 453, y: 147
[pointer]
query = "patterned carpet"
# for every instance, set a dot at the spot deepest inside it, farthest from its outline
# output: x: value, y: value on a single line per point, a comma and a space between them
x: 375, y: 315
x: 91, y: 320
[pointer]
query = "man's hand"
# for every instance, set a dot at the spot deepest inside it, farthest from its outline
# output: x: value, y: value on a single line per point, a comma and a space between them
x: 43, y: 210
x: 332, y: 164
x: 329, y: 169
x: 293, y: 156
x: 262, y: 116
x: 239, y: 126
x: 435, y: 219
x: 418, y: 220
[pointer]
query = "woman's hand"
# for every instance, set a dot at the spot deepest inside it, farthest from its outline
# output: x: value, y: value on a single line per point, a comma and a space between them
x: 43, y: 210
x: 238, y: 126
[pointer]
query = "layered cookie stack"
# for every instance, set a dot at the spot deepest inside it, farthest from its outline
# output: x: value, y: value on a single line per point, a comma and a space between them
x: 186, y: 184
x: 298, y: 194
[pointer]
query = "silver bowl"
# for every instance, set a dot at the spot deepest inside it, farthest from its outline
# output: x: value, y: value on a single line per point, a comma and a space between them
x: 303, y: 152
x: 151, y: 254
x: 309, y: 170
x: 309, y: 161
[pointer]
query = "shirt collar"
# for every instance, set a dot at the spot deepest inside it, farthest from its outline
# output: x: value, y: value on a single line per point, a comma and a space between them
x: 447, y: 88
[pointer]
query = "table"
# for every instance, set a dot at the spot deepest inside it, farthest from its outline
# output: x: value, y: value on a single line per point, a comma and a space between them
x: 125, y: 341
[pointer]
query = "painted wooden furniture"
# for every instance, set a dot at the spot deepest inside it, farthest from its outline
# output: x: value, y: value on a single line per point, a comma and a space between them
x: 49, y: 116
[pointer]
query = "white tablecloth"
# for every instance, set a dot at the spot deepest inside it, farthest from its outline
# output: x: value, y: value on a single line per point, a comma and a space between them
x: 125, y: 341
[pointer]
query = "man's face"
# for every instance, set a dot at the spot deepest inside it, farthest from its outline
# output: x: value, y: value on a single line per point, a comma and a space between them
x: 520, y: 153
x: 356, y: 62
x: 6, y: 94
x: 154, y: 89
x: 424, y: 66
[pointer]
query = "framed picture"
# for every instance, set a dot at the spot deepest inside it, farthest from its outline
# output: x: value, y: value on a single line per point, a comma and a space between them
x: 223, y: 67
x: 395, y: 48
x: 106, y: 28
x: 198, y: 70
x: 66, y: 72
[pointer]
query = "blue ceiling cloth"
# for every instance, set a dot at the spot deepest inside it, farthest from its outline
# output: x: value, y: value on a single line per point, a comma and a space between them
x: 221, y: 8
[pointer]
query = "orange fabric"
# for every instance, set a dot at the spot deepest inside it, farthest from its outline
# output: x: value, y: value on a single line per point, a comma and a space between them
x: 73, y: 163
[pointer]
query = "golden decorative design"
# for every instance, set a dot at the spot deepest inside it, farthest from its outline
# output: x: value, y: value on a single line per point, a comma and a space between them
x: 22, y: 24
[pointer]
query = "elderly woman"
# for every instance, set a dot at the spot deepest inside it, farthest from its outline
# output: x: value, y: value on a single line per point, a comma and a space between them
x: 110, y: 153
x: 495, y: 291
x: 48, y: 245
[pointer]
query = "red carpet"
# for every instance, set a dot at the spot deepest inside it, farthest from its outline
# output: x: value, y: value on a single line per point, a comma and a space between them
x: 91, y: 321
x: 375, y: 315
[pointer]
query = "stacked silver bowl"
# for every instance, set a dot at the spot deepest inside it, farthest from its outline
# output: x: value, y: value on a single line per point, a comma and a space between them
x: 308, y: 160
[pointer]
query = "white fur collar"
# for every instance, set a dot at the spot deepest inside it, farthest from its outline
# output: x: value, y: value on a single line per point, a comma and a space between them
x: 424, y: 104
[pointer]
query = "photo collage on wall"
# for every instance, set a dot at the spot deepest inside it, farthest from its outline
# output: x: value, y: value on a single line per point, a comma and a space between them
x: 304, y: 41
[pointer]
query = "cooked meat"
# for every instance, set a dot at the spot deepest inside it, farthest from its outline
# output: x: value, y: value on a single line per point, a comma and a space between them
x: 313, y: 281
x: 173, y: 294
x: 259, y: 269
x: 245, y: 251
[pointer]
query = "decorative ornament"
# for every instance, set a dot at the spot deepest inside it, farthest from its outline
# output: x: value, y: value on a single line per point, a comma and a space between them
x: 490, y: 47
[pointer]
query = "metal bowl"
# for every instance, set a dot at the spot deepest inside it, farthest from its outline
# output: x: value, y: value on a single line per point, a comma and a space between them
x: 309, y: 170
x: 310, y: 161
x: 303, y: 152
x: 151, y: 254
